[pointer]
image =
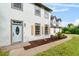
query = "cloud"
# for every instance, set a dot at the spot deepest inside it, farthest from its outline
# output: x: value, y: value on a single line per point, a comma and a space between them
x: 56, y: 9
x: 66, y: 5
x: 76, y: 22
x: 65, y: 23
x: 60, y: 10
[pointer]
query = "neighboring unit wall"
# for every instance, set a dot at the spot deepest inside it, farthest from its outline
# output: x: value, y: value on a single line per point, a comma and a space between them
x: 53, y: 31
x: 27, y: 16
x: 55, y: 25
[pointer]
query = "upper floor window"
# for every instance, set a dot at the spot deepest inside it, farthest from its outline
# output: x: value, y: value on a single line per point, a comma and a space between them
x: 46, y: 15
x: 37, y: 11
x: 18, y: 6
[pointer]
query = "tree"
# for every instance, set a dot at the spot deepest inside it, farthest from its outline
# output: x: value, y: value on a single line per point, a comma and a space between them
x: 64, y: 29
x: 70, y: 25
x: 71, y: 29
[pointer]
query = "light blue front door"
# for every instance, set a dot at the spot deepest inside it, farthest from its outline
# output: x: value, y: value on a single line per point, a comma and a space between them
x: 17, y: 34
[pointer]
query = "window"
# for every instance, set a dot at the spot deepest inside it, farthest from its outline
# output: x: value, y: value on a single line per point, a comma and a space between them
x: 18, y: 6
x: 37, y: 11
x: 46, y: 15
x: 37, y: 29
x: 17, y: 30
x: 46, y: 29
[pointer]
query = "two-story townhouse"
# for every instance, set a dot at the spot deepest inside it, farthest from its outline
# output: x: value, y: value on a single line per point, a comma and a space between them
x: 23, y: 22
x: 55, y: 25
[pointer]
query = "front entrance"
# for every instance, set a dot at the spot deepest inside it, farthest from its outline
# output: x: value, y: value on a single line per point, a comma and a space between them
x: 17, y: 31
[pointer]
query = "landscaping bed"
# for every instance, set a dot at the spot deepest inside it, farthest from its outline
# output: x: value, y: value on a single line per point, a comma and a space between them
x: 43, y: 41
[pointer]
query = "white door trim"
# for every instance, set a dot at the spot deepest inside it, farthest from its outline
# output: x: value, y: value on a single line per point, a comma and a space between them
x: 12, y: 29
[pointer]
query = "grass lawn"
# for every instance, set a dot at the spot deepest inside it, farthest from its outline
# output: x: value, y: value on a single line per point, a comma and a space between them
x: 4, y: 53
x: 69, y: 48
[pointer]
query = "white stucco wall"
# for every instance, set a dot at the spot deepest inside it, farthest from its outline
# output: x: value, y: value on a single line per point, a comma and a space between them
x: 28, y: 18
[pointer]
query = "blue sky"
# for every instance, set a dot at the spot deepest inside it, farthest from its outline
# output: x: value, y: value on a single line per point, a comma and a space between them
x: 68, y: 12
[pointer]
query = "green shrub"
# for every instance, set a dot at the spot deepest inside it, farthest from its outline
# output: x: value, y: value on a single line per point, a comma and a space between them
x: 60, y: 35
x: 64, y: 29
x: 71, y: 29
x: 67, y: 32
x: 77, y: 31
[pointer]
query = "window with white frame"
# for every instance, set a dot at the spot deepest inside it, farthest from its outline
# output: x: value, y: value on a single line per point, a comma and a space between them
x: 46, y: 14
x: 46, y: 29
x: 37, y: 11
x: 37, y: 29
x: 18, y: 6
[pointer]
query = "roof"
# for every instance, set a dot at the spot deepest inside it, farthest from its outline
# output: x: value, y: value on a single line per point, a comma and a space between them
x: 57, y: 19
x: 43, y: 6
x: 52, y: 17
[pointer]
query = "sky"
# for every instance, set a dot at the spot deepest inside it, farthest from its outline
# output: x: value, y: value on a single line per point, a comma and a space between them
x: 68, y: 12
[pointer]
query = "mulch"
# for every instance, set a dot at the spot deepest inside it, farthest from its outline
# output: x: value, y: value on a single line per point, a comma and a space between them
x: 42, y: 42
